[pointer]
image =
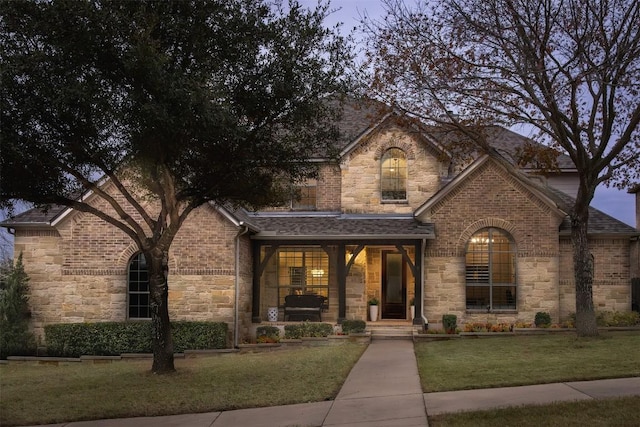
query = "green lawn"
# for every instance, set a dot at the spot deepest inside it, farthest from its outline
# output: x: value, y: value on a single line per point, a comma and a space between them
x: 610, y: 412
x: 41, y: 394
x: 519, y: 360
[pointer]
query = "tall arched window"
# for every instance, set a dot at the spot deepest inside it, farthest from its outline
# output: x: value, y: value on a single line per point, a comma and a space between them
x: 491, y: 271
x: 393, y: 181
x: 138, y: 288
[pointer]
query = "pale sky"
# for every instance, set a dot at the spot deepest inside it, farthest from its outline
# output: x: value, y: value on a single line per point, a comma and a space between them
x: 616, y: 203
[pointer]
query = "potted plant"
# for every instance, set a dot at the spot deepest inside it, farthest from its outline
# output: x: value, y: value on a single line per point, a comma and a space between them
x: 412, y: 307
x: 373, y: 309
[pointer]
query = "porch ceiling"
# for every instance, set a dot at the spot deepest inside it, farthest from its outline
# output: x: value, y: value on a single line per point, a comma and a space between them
x: 339, y: 227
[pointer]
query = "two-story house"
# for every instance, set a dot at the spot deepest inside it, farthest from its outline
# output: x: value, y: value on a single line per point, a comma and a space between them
x: 395, y: 218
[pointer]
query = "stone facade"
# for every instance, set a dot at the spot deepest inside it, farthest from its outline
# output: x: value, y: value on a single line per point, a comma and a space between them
x: 78, y: 265
x: 78, y: 271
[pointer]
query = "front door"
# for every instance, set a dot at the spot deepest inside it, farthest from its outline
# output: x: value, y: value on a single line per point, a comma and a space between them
x: 394, y: 286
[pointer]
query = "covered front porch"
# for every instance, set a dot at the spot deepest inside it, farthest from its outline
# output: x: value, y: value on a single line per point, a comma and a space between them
x: 366, y: 259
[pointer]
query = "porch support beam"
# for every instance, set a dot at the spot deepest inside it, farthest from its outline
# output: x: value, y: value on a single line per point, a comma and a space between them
x: 342, y: 283
x: 417, y: 275
x: 257, y: 273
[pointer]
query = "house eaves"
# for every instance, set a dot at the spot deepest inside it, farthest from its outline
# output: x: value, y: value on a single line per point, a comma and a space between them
x: 499, y: 160
x: 356, y: 141
x: 332, y: 226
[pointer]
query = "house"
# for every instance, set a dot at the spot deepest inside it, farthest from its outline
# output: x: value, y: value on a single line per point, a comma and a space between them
x: 396, y: 218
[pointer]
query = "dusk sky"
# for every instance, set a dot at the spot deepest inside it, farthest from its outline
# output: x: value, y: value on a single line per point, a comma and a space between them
x: 618, y: 204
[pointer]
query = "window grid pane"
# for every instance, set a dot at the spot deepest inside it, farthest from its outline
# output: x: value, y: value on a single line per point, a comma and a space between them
x: 305, y: 197
x: 490, y: 271
x: 138, y: 288
x: 302, y: 271
x: 393, y: 176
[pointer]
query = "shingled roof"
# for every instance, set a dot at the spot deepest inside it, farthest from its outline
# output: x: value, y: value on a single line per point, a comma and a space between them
x: 336, y: 226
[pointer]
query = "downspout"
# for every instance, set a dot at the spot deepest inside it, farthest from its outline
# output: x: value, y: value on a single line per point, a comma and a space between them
x: 236, y: 310
x: 425, y: 321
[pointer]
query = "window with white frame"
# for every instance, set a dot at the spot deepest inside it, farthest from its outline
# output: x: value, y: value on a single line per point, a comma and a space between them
x: 393, y: 175
x: 491, y: 271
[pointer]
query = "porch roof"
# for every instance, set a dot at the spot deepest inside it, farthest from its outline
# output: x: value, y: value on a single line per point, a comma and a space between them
x: 336, y: 226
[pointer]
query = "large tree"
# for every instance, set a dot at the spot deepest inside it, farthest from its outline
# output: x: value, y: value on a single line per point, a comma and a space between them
x: 179, y: 102
x: 568, y: 68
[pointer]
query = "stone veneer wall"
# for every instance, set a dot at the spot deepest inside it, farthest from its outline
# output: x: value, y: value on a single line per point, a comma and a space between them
x: 611, y: 281
x: 361, y: 173
x: 78, y: 272
x: 491, y: 197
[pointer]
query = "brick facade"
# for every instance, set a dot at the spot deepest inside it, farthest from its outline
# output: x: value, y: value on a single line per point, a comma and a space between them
x: 78, y: 266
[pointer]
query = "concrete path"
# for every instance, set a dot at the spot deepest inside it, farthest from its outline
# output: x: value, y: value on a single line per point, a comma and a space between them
x: 383, y: 390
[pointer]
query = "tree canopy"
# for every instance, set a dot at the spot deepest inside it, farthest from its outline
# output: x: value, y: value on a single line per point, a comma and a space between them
x: 188, y: 102
x: 567, y: 68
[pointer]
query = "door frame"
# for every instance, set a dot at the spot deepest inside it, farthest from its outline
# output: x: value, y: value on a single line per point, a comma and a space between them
x: 393, y: 310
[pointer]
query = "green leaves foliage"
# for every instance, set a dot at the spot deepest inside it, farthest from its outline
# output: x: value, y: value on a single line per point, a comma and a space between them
x: 307, y: 329
x: 224, y: 95
x: 15, y: 338
x: 115, y: 338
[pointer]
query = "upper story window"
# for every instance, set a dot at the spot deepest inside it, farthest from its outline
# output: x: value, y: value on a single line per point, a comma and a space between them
x: 138, y: 288
x: 393, y: 175
x: 304, y: 196
x: 491, y: 271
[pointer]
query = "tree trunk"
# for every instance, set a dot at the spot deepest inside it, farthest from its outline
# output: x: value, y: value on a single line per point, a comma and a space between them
x: 160, y: 325
x: 586, y: 325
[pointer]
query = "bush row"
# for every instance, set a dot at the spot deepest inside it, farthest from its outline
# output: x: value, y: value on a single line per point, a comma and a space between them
x: 115, y: 338
x: 307, y: 329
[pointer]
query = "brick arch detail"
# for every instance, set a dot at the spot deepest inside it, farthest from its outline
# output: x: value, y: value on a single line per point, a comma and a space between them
x: 131, y: 250
x: 486, y: 223
x: 408, y: 149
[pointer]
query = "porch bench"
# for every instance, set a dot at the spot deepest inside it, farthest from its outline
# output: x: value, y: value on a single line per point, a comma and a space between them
x: 304, y: 306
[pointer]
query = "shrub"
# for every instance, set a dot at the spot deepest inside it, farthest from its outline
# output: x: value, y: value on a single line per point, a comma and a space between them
x: 450, y: 323
x: 114, y: 338
x: 15, y: 338
x: 353, y: 326
x: 617, y: 318
x: 267, y: 334
x: 307, y: 329
x: 199, y: 335
x: 542, y: 319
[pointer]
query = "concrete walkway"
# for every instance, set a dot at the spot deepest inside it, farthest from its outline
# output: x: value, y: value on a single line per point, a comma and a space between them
x: 383, y: 390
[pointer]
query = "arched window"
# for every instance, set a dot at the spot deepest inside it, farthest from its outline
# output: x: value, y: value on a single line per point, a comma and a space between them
x: 491, y: 271
x: 393, y: 175
x: 138, y: 288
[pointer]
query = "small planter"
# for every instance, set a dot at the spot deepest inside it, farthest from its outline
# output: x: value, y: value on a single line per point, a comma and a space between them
x: 373, y: 312
x: 272, y: 314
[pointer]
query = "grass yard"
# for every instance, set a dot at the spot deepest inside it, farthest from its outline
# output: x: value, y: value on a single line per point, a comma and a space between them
x: 610, y: 412
x: 44, y: 394
x: 520, y: 360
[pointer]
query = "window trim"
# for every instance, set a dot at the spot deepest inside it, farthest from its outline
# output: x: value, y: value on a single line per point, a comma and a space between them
x: 303, y: 277
x: 489, y: 282
x: 132, y: 260
x: 394, y: 153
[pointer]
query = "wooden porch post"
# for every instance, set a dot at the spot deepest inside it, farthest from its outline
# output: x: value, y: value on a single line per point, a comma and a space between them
x: 257, y: 273
x: 417, y: 320
x: 342, y: 283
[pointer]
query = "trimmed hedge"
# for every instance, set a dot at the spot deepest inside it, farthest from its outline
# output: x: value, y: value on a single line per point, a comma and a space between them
x: 307, y: 329
x: 353, y: 326
x: 115, y: 338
